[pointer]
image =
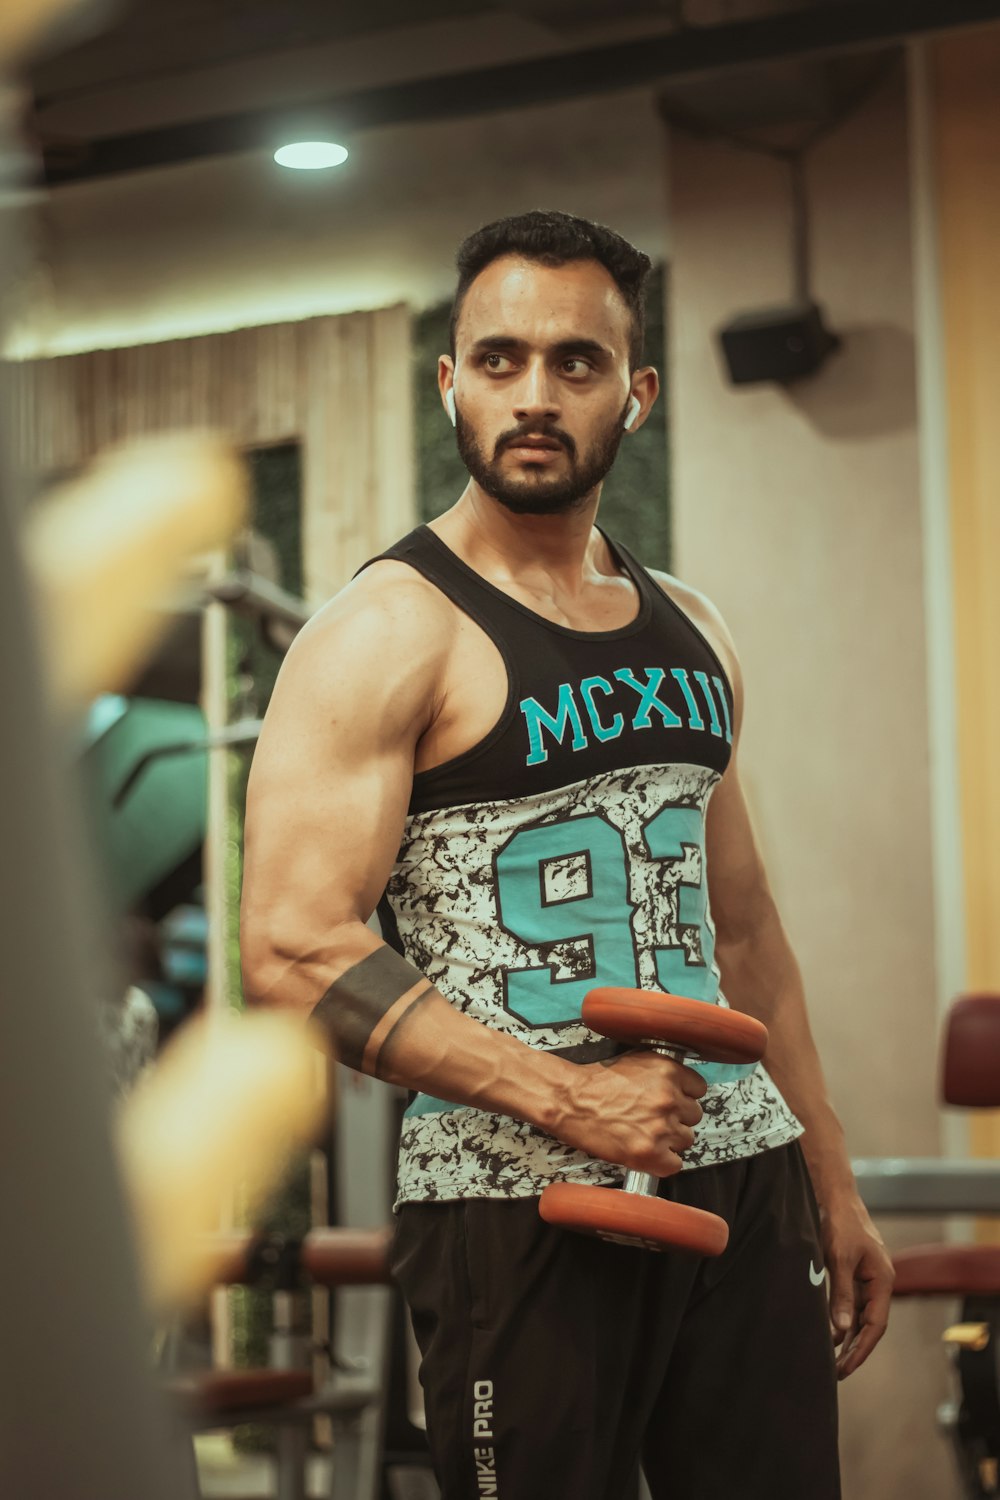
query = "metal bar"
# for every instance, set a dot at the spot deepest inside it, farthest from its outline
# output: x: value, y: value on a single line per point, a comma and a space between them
x: 928, y: 1185
x: 243, y: 732
x: 289, y: 1350
x: 641, y: 1182
x: 249, y: 594
x: 842, y: 25
x: 364, y: 1151
x: 214, y: 705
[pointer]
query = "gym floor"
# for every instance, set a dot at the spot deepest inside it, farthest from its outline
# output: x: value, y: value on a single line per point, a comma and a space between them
x: 226, y: 1475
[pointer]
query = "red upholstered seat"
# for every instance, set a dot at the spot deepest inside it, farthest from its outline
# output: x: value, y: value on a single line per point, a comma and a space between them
x: 347, y: 1257
x: 216, y: 1393
x: 948, y: 1271
x: 971, y: 1077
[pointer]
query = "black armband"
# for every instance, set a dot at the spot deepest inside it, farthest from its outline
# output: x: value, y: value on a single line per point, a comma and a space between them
x: 362, y: 1008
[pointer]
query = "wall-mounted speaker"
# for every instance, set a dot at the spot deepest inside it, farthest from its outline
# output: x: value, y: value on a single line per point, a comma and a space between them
x: 781, y: 344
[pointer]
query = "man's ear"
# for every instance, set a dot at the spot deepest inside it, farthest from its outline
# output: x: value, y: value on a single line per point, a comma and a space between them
x: 446, y: 382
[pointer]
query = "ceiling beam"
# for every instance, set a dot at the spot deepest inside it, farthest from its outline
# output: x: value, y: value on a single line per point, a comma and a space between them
x: 835, y: 26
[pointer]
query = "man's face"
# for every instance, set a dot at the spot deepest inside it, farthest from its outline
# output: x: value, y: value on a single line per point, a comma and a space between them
x: 541, y: 382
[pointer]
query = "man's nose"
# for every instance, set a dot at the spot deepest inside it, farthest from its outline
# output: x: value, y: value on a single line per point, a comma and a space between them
x: 536, y: 397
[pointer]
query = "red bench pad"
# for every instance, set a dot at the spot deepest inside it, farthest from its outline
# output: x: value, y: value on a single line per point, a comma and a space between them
x: 972, y: 1053
x: 948, y: 1271
x: 347, y: 1257
x: 212, y: 1393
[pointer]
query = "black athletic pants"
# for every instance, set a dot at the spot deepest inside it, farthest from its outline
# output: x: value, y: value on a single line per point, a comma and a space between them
x: 553, y: 1363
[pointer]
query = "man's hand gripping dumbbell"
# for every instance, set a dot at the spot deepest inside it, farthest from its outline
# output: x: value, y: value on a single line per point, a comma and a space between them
x: 684, y: 1031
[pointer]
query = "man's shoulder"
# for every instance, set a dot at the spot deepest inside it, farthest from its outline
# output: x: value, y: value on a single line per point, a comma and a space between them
x: 391, y: 580
x: 389, y: 609
x: 703, y: 613
x: 690, y: 599
x: 390, y: 588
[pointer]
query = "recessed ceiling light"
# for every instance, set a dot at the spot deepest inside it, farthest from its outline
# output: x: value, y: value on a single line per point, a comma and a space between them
x: 310, y: 156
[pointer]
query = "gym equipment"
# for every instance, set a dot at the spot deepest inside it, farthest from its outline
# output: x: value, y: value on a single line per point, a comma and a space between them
x: 284, y: 1393
x: 971, y: 1071
x: 144, y: 764
x: 970, y: 1273
x: 279, y: 614
x: 146, y: 828
x: 352, y: 1261
x: 931, y: 1185
x: 971, y: 1078
x: 687, y: 1031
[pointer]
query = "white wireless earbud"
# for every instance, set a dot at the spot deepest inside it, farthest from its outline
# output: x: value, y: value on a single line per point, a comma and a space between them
x: 449, y: 402
x: 634, y: 408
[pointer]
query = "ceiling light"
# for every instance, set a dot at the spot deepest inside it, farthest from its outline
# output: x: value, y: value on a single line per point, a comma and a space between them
x: 310, y: 156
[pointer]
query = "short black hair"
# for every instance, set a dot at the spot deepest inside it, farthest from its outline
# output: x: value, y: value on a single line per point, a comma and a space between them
x: 553, y: 238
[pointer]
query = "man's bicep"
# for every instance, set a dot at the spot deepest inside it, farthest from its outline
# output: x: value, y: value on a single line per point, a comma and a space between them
x: 327, y: 796
x: 320, y: 841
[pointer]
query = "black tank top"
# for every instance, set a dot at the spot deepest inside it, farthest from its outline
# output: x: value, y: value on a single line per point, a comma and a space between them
x: 563, y: 851
x: 578, y: 702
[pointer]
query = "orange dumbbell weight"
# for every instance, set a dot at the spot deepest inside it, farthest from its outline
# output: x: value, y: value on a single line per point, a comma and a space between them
x: 687, y: 1031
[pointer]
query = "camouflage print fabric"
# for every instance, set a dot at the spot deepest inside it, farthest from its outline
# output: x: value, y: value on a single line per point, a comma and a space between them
x: 515, y: 909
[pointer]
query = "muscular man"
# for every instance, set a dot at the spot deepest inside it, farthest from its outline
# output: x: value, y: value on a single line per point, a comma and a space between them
x: 521, y: 747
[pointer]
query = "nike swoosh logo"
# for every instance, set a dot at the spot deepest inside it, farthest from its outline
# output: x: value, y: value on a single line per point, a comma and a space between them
x: 816, y: 1277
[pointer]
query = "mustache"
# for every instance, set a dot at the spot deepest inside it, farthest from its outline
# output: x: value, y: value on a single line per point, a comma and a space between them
x: 516, y: 434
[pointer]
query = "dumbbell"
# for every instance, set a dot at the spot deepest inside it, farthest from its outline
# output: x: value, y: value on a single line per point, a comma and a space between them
x: 687, y: 1031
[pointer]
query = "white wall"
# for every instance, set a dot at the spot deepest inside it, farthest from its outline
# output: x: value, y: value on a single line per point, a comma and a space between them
x: 799, y: 512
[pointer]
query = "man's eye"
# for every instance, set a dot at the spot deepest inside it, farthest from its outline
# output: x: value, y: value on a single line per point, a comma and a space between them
x: 581, y: 366
x: 494, y: 361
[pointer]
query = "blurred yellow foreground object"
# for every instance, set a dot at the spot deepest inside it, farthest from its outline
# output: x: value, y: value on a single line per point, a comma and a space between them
x: 23, y: 21
x: 107, y: 548
x: 227, y: 1103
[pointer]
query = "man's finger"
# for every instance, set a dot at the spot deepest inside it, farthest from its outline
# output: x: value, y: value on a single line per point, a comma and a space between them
x: 843, y: 1308
x: 859, y: 1349
x: 874, y: 1320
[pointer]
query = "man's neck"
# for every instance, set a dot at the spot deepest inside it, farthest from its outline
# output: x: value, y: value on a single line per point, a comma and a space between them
x: 499, y: 544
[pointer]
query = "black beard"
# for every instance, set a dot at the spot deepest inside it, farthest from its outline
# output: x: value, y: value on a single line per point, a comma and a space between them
x: 539, y: 494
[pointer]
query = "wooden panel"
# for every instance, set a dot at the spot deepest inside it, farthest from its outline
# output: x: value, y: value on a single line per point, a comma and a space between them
x: 966, y: 104
x: 355, y: 452
x: 323, y: 382
x: 393, y: 416
x: 342, y: 386
x: 277, y: 382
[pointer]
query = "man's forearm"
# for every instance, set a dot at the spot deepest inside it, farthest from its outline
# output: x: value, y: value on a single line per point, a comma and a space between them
x: 379, y: 1014
x: 386, y: 1019
x: 761, y: 976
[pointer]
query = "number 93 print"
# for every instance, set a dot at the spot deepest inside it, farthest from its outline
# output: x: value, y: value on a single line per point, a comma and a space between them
x: 568, y: 882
